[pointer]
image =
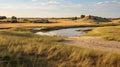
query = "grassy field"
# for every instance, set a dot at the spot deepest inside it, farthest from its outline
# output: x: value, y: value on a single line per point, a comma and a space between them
x: 59, y: 23
x: 21, y: 48
x: 109, y: 32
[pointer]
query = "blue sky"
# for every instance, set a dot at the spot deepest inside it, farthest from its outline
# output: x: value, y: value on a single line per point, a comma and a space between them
x: 59, y: 8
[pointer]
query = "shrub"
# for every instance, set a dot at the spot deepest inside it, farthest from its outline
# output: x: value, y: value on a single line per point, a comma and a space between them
x: 74, y: 18
x: 82, y: 16
x: 3, y: 17
x: 14, y: 19
x: 25, y: 20
x: 41, y: 21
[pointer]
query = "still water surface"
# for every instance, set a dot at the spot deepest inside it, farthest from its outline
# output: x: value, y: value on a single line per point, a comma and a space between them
x: 65, y: 32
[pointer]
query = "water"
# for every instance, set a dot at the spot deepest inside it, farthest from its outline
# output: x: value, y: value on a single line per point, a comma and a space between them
x: 65, y: 32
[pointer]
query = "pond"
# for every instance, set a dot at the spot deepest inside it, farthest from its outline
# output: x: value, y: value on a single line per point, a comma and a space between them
x: 65, y: 32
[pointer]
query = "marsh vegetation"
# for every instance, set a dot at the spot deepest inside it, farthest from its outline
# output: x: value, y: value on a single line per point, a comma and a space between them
x: 21, y: 48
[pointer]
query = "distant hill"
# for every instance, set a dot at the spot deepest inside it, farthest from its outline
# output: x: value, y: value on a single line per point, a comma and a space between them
x: 92, y: 19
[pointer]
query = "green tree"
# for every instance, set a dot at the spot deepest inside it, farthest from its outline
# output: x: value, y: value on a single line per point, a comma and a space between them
x: 82, y: 16
x: 14, y: 19
x: 3, y: 17
x: 74, y: 18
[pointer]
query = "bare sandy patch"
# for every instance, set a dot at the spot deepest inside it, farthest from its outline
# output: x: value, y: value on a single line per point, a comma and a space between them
x: 93, y: 43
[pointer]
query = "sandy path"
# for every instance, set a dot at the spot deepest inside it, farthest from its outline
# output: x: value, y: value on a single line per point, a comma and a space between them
x: 94, y: 43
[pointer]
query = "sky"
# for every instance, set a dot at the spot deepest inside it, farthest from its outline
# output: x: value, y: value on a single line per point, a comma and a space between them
x: 59, y: 8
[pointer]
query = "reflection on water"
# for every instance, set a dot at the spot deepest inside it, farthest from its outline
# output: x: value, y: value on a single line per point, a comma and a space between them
x: 65, y: 32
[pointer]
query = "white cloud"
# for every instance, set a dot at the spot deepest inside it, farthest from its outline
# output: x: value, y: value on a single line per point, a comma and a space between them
x: 53, y: 2
x: 34, y: 0
x: 26, y: 7
x: 108, y: 3
x: 41, y: 5
x: 47, y: 2
x: 72, y: 6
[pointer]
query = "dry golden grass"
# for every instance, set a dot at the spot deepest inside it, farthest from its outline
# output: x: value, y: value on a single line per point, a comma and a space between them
x: 116, y: 21
x: 20, y: 48
x: 59, y: 22
x: 109, y: 33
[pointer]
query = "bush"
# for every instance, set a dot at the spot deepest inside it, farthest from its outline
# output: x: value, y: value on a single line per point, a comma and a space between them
x: 25, y: 20
x: 3, y: 17
x: 14, y: 19
x: 41, y: 21
x: 82, y: 16
x: 74, y: 18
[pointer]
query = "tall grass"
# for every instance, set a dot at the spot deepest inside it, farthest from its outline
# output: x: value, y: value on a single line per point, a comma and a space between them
x: 109, y: 33
x: 19, y: 48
